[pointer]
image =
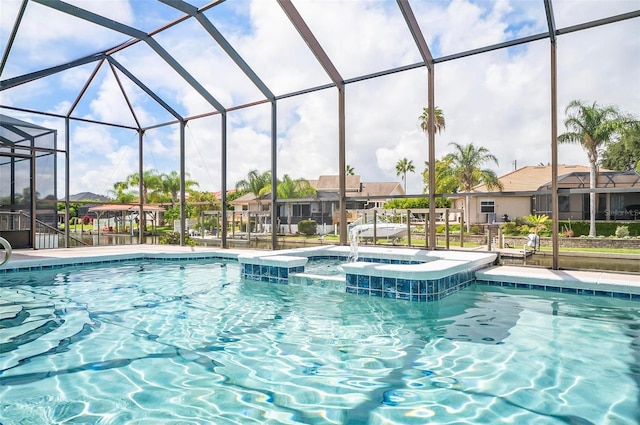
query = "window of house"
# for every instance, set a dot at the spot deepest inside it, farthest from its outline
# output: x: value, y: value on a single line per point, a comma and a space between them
x: 301, y: 210
x: 487, y: 206
x: 563, y: 203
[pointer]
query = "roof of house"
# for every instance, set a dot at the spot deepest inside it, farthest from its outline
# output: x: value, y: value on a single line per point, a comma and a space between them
x: 580, y: 179
x: 328, y: 183
x: 530, y: 178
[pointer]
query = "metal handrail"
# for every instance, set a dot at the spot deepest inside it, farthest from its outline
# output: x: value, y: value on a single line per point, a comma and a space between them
x: 7, y: 251
x: 20, y: 220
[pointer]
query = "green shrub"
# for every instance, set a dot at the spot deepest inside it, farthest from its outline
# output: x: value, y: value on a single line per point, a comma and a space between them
x: 453, y: 228
x: 413, y: 203
x: 476, y: 230
x: 607, y: 228
x: 173, y: 238
x: 307, y: 227
x: 510, y: 229
x: 622, y: 232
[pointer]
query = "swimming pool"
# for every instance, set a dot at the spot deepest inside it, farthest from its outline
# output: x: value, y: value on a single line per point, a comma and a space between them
x: 149, y: 342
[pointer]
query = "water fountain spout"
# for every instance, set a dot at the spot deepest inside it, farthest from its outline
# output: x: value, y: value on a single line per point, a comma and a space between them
x: 353, y: 241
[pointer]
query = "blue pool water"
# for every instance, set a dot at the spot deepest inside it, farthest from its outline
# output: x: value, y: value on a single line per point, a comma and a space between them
x: 190, y: 343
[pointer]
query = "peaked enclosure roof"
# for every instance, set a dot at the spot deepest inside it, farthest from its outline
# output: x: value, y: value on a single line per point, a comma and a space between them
x: 153, y: 64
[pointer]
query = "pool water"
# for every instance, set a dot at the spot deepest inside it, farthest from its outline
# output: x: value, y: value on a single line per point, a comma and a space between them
x: 190, y: 343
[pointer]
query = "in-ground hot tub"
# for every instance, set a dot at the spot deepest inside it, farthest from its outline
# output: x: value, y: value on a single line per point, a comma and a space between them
x: 408, y: 274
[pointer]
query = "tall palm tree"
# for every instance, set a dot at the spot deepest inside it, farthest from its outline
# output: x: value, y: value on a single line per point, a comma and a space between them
x: 592, y: 127
x: 170, y: 183
x: 258, y: 183
x: 151, y: 181
x: 121, y: 195
x: 446, y: 181
x: 348, y: 170
x: 290, y: 188
x: 438, y: 120
x: 403, y: 167
x: 466, y: 162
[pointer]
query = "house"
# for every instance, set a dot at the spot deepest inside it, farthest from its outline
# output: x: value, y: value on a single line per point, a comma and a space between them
x: 521, y: 195
x: 325, y: 203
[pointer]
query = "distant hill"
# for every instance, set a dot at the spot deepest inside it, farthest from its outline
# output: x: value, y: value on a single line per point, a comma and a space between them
x: 87, y: 196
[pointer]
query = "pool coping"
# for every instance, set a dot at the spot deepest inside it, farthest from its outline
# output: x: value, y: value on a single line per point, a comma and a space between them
x: 502, y: 275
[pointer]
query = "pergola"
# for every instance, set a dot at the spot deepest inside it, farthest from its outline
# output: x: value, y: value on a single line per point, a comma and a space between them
x: 117, y: 60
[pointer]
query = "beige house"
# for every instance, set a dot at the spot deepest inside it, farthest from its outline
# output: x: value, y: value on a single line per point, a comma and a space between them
x: 524, y: 193
x: 521, y: 186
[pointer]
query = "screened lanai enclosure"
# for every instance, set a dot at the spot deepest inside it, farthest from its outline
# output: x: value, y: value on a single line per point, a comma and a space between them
x: 96, y: 92
x: 28, y: 216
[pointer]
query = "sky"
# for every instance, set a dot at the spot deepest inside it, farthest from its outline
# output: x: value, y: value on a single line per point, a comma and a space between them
x: 498, y: 100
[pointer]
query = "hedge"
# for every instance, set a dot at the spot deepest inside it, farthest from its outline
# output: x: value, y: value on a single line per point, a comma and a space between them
x: 307, y: 227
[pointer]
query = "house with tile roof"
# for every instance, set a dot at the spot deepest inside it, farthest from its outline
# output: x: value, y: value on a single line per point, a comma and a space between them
x: 525, y: 191
x: 325, y: 203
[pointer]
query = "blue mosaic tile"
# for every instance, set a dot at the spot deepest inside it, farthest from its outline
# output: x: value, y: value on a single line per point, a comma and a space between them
x: 415, y: 287
x: 403, y: 285
x: 352, y: 280
x: 569, y: 290
x: 363, y: 291
x: 389, y: 284
x: 553, y: 289
x: 635, y: 297
x: 351, y: 290
x: 621, y: 295
x: 403, y: 296
x: 363, y: 281
x: 375, y: 293
x: 389, y: 294
x: 376, y: 282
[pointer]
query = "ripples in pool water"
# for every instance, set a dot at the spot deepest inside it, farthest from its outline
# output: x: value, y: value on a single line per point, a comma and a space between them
x: 168, y: 343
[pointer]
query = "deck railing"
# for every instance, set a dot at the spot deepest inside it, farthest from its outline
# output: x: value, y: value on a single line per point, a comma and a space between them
x: 46, y: 236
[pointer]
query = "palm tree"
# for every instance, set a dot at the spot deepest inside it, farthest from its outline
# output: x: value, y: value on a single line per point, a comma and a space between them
x: 403, y: 167
x: 348, y: 170
x: 257, y: 183
x: 446, y: 181
x: 593, y: 127
x: 119, y: 190
x: 438, y: 118
x: 466, y: 164
x: 170, y: 184
x: 289, y: 188
x: 150, y: 182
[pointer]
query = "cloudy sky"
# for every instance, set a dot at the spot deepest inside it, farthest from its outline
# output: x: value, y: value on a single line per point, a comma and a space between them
x: 499, y: 100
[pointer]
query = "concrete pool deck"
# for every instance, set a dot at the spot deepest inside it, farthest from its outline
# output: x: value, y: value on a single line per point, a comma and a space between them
x: 28, y: 258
